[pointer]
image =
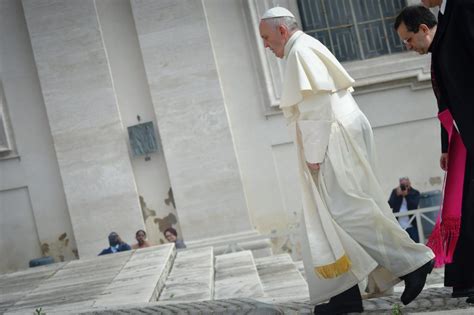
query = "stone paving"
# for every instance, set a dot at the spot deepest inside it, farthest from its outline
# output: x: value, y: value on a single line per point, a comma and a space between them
x: 430, y: 301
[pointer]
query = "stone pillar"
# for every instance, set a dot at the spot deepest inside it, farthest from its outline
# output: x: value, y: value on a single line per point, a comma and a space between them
x: 85, y: 122
x: 192, y: 119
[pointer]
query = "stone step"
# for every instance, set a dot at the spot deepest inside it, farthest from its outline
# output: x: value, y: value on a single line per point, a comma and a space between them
x: 237, y: 276
x: 74, y: 286
x: 14, y: 286
x: 142, y: 278
x: 281, y: 279
x: 117, y: 279
x: 191, y: 277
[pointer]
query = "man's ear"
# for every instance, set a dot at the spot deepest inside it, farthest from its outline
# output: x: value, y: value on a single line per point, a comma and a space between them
x: 424, y: 28
x: 282, y: 30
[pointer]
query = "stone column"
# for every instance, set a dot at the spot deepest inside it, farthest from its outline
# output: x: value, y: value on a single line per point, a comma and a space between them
x: 85, y: 122
x: 192, y: 119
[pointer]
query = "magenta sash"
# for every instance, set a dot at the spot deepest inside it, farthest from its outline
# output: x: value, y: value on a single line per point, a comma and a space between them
x: 445, y: 234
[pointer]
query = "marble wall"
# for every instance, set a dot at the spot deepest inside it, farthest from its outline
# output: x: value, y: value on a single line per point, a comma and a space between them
x: 134, y: 102
x: 34, y: 217
x: 85, y: 122
x: 191, y: 111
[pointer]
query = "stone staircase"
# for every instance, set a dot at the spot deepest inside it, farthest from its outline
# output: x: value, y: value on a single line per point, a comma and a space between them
x: 159, y: 280
x: 157, y: 275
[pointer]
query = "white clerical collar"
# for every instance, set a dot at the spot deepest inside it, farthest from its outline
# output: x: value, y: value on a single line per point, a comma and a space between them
x: 291, y: 41
x: 442, y: 8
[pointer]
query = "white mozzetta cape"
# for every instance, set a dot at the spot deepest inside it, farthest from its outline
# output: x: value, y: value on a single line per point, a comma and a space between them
x: 312, y: 72
x: 310, y: 69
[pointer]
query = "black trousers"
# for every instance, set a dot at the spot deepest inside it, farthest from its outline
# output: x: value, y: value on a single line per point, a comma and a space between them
x: 460, y: 273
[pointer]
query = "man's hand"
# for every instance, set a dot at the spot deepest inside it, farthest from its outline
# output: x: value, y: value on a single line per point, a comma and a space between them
x: 401, y: 192
x: 313, y: 166
x: 443, y: 161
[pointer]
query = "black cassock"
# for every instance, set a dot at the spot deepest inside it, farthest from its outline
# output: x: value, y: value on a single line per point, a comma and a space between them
x: 453, y: 83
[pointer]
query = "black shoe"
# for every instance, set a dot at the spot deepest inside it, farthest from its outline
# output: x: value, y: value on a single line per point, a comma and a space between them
x: 348, y: 301
x: 415, y: 281
x: 470, y: 299
x: 462, y: 292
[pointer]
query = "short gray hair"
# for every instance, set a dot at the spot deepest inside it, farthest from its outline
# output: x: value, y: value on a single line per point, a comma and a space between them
x: 288, y: 21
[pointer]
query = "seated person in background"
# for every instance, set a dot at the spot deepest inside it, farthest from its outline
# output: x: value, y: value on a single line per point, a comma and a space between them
x: 172, y: 236
x: 116, y: 245
x: 402, y: 199
x: 140, y: 236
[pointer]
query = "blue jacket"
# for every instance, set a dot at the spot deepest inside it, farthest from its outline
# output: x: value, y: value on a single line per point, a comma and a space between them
x: 122, y: 247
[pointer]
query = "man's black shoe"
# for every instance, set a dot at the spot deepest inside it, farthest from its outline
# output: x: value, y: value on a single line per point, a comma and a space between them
x: 470, y: 299
x: 415, y: 281
x: 462, y: 292
x: 348, y: 301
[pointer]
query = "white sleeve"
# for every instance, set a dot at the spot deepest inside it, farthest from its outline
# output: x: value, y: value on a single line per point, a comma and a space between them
x: 315, y: 122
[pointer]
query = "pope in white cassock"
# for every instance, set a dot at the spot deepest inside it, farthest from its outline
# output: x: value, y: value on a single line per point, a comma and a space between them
x: 349, y: 232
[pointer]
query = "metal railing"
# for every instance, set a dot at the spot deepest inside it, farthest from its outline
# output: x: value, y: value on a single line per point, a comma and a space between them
x: 419, y: 214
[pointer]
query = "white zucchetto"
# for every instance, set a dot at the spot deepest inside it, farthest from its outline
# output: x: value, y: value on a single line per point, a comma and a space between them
x: 276, y: 12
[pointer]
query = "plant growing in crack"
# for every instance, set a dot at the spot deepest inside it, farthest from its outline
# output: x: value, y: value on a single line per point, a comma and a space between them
x: 39, y: 311
x: 396, y: 310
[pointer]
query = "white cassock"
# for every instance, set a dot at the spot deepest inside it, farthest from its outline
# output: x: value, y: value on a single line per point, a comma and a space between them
x: 349, y: 230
